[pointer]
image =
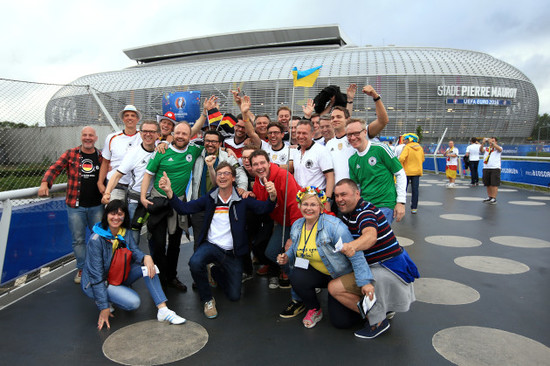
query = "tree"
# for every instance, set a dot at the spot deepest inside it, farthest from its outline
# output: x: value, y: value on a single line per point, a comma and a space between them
x: 419, y: 133
x: 540, y: 131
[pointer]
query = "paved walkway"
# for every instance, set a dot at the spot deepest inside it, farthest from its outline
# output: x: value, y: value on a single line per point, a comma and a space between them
x: 482, y: 299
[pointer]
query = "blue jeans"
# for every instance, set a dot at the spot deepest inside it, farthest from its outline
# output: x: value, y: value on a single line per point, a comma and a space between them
x: 79, y: 219
x: 227, y: 271
x: 413, y: 181
x: 473, y: 169
x: 388, y: 212
x: 126, y: 298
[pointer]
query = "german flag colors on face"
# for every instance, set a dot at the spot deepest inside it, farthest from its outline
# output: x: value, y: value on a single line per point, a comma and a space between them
x: 214, y: 116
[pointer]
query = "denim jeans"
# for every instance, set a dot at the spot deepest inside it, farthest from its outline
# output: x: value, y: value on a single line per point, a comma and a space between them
x: 473, y: 169
x: 227, y: 271
x: 79, y: 219
x: 388, y: 212
x: 126, y: 298
x: 413, y: 181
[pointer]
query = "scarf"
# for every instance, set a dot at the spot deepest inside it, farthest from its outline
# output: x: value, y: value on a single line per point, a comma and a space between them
x: 106, y: 233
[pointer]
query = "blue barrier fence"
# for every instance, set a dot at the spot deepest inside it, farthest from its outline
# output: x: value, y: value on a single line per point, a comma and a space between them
x: 517, y: 171
x: 508, y: 150
x: 38, y: 235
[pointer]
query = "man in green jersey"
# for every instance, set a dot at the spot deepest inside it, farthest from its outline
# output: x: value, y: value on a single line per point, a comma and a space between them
x: 177, y: 162
x: 373, y: 168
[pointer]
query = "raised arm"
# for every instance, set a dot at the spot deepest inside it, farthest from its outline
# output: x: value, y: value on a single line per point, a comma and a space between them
x: 250, y: 132
x: 376, y: 126
x: 350, y: 94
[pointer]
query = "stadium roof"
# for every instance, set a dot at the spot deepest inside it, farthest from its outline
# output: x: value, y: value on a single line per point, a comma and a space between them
x: 270, y: 38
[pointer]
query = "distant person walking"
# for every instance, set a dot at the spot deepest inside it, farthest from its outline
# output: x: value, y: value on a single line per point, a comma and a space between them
x: 472, y: 152
x: 491, y: 168
x: 412, y: 158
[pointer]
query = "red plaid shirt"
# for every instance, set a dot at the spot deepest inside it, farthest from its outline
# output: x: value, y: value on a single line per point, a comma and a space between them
x: 69, y: 160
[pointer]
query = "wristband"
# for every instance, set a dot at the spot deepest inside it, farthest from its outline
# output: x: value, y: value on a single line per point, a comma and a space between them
x: 377, y: 99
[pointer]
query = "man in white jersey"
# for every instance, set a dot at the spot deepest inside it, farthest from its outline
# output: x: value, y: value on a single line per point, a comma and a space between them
x: 133, y: 165
x: 472, y: 152
x: 115, y: 148
x: 452, y: 163
x: 310, y: 163
x: 491, y: 168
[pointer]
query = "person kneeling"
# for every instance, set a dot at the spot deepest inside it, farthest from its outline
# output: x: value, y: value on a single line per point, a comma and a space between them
x: 98, y: 276
x: 223, y: 239
x: 315, y: 258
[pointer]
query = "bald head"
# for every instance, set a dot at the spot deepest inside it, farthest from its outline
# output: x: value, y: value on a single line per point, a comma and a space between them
x: 88, y: 138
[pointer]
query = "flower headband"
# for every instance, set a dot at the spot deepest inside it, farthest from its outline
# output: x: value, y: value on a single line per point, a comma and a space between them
x: 312, y: 191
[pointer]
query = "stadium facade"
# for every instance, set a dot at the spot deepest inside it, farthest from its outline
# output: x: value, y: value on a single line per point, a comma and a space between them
x: 469, y: 93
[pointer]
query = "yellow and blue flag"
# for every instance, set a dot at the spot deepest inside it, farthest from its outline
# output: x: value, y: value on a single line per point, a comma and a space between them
x: 307, y: 77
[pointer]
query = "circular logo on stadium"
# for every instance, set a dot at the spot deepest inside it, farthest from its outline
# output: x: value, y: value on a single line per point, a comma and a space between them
x: 372, y: 161
x: 87, y: 166
x: 309, y: 164
x: 189, y: 158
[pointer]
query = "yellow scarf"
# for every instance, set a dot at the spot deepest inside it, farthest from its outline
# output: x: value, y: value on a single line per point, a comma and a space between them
x: 121, y: 232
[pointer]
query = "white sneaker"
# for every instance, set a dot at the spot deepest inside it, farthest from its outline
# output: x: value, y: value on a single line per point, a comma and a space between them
x: 273, y: 283
x: 169, y: 316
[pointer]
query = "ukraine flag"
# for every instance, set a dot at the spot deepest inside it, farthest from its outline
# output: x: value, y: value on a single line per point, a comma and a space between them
x: 307, y: 77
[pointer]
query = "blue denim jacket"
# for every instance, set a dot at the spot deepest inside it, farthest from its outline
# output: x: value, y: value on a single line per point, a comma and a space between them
x: 98, y: 260
x: 329, y: 230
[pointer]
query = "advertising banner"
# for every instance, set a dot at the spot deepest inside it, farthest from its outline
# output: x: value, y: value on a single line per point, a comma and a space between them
x: 185, y: 105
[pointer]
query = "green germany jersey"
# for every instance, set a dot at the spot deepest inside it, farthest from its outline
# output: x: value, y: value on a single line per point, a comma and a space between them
x: 178, y: 165
x: 373, y: 170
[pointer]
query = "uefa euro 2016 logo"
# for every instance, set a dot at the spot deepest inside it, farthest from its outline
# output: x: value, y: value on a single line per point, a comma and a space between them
x: 180, y: 102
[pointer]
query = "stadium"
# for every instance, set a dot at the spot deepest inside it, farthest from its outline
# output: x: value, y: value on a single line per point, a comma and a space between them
x: 469, y: 93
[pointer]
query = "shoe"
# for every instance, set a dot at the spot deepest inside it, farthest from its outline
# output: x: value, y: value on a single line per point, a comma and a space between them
x: 369, y: 332
x: 273, y: 283
x: 246, y: 277
x: 210, y: 309
x: 292, y: 309
x: 176, y: 283
x: 284, y: 281
x: 414, y: 211
x: 262, y: 271
x: 78, y: 276
x: 312, y: 317
x: 211, y: 279
x: 169, y: 316
x: 493, y: 201
x: 390, y: 315
x: 486, y: 200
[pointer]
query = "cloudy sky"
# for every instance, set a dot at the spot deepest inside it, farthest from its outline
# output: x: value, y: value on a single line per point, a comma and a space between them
x: 58, y: 41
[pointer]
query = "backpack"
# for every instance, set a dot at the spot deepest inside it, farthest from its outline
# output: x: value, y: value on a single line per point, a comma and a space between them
x: 120, y: 265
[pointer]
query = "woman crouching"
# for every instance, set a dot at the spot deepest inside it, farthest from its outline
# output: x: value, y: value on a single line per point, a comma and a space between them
x: 106, y: 282
x: 315, y: 261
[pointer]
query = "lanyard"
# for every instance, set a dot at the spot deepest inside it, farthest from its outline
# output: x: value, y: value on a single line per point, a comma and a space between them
x: 307, y: 238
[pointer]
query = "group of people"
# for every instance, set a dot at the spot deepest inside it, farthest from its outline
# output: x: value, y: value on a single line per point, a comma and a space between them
x: 312, y: 198
x: 491, y: 165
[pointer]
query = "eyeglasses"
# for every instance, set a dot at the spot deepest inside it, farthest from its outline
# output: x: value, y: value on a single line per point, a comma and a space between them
x: 148, y: 132
x: 211, y: 142
x: 274, y: 132
x: 354, y: 134
x: 245, y: 157
x: 223, y: 174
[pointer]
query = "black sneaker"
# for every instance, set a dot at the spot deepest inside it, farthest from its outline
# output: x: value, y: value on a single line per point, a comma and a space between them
x: 492, y: 201
x: 284, y: 281
x: 292, y: 309
x: 487, y: 200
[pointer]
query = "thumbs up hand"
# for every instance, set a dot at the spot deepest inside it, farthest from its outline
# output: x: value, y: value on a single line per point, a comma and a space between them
x: 165, y: 185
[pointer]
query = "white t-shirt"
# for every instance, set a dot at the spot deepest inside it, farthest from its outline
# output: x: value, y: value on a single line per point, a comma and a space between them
x: 134, y: 165
x: 399, y: 149
x: 494, y: 158
x: 279, y: 157
x: 116, y: 146
x: 451, y: 160
x: 473, y: 151
x: 340, y: 151
x: 320, y: 140
x: 310, y: 167
x: 219, y: 232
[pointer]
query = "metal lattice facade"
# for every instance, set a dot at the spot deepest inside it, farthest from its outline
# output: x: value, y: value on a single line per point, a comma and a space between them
x: 406, y: 77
